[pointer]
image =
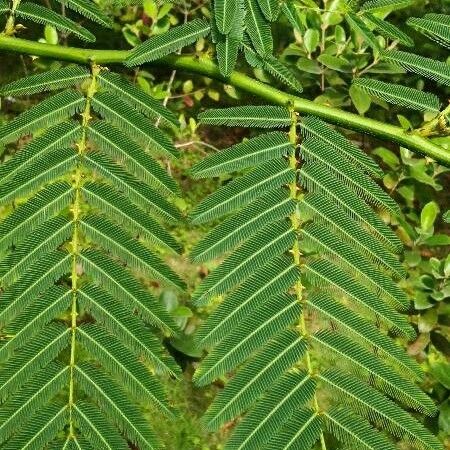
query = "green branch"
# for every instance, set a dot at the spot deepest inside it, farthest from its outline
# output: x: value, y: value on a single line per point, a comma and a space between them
x: 411, y: 140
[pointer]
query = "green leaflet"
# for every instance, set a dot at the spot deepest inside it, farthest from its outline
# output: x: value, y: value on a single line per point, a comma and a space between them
x: 32, y: 320
x: 55, y: 165
x: 59, y: 136
x: 366, y: 331
x: 48, y: 236
x: 289, y: 10
x: 137, y: 191
x: 224, y: 14
x: 435, y: 30
x: 120, y: 147
x: 388, y: 30
x: 116, y: 280
x: 228, y: 44
x: 115, y: 318
x: 96, y: 428
x: 352, y: 430
x: 276, y: 68
x: 429, y: 68
x: 315, y: 151
x: 227, y: 49
x: 176, y: 38
x: 326, y: 275
x: 44, y: 385
x: 269, y: 242
x: 257, y: 28
x: 294, y: 389
x: 138, y: 257
x: 45, y: 16
x: 89, y: 10
x: 317, y: 238
x: 241, y: 191
x: 41, y: 429
x: 314, y: 127
x: 320, y: 208
x: 246, y: 154
x: 36, y: 355
x: 272, y: 279
x: 301, y: 431
x: 38, y: 278
x: 114, y: 109
x: 50, y: 111
x: 270, y: 9
x: 274, y: 315
x: 389, y: 380
x: 318, y: 180
x: 121, y: 210
x: 371, y: 403
x: 382, y: 5
x: 255, y: 377
x: 359, y: 27
x: 114, y: 402
x: 46, y: 81
x: 34, y: 212
x: 270, y: 207
x: 140, y: 100
x: 399, y: 95
x: 247, y: 116
x: 118, y: 360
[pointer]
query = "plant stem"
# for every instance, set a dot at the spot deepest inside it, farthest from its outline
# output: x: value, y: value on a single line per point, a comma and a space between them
x: 203, y: 66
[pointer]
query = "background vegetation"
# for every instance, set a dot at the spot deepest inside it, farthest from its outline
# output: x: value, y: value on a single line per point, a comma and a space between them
x: 325, y: 59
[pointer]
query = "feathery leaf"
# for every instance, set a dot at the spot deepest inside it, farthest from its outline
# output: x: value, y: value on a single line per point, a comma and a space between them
x: 314, y: 127
x: 388, y: 30
x: 45, y: 238
x: 115, y: 279
x: 382, y: 5
x: 359, y: 27
x: 271, y: 241
x: 435, y: 30
x: 59, y: 136
x: 120, y: 147
x: 224, y: 14
x: 120, y: 210
x: 121, y: 363
x: 247, y: 116
x: 141, y: 101
x: 258, y: 28
x: 45, y: 16
x: 45, y: 204
x: 272, y: 317
x: 46, y: 81
x: 119, y: 243
x: 429, y: 68
x: 50, y: 111
x: 176, y: 38
x: 399, y: 95
x: 270, y: 207
x: 257, y: 150
x: 255, y: 377
x: 89, y: 10
x: 114, y: 109
x: 118, y: 321
x: 241, y: 191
